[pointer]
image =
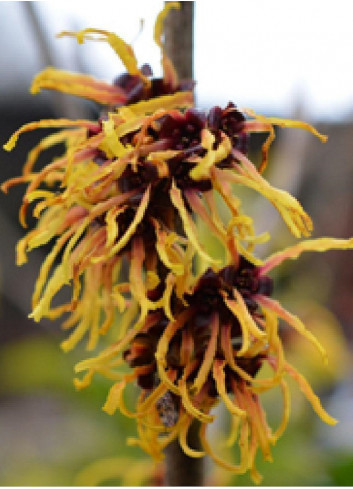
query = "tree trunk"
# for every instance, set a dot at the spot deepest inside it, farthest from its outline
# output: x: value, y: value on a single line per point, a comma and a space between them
x: 182, y: 470
x: 179, y: 34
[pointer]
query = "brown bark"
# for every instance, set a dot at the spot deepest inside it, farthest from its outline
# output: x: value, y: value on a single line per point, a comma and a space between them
x: 179, y: 34
x: 182, y: 470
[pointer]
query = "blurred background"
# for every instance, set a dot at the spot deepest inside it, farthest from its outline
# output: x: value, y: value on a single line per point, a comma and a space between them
x: 288, y: 59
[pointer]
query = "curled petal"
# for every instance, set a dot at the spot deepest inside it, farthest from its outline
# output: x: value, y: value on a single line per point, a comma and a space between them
x: 265, y: 124
x: 292, y: 252
x: 309, y: 394
x: 45, y: 123
x: 187, y: 347
x: 158, y: 26
x: 115, y: 398
x: 169, y: 73
x: 156, y: 394
x: 183, y: 431
x: 189, y: 226
x: 47, y: 264
x: 290, y: 209
x: 256, y: 417
x: 234, y: 245
x: 219, y: 377
x: 85, y: 382
x: 291, y: 319
x: 137, y: 285
x: 77, y: 84
x: 204, y: 166
x: 209, y: 355
x: 247, y: 323
x: 163, y: 345
x: 236, y: 469
x: 286, y: 412
x: 165, y: 250
x: 199, y: 209
x: 231, y: 361
x: 189, y: 406
x: 56, y: 282
x: 234, y: 431
x: 202, y: 169
x: 222, y: 186
x: 110, y: 354
x: 68, y: 135
x: 122, y: 49
x: 287, y: 123
x: 166, y: 102
x: 116, y: 147
x: 123, y: 241
x: 112, y: 226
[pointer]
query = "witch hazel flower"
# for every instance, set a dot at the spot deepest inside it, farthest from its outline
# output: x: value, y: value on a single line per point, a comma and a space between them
x: 120, y: 208
x: 140, y: 172
x: 223, y: 332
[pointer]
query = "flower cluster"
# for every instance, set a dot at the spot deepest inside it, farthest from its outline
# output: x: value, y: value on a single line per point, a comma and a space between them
x: 120, y: 208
